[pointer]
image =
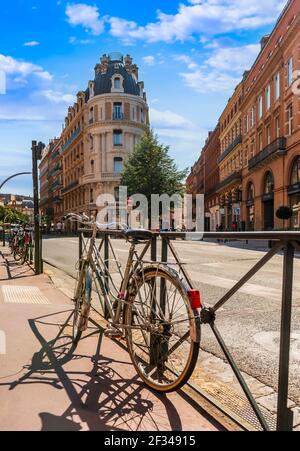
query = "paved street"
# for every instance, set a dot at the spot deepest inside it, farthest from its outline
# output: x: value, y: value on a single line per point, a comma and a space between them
x: 249, y: 322
x: 47, y: 385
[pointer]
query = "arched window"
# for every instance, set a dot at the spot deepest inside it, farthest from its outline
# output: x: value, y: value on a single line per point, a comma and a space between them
x: 269, y: 183
x: 295, y: 174
x: 117, y: 83
x: 92, y: 166
x: 118, y: 165
x: 251, y: 194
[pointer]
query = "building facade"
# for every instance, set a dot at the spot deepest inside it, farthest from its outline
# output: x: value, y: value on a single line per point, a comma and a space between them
x: 211, y: 152
x: 101, y: 129
x: 259, y: 160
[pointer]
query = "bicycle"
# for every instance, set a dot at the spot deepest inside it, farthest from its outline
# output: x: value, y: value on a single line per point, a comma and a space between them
x: 154, y: 307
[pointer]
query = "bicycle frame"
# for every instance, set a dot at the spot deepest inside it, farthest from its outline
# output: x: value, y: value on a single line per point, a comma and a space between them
x: 94, y: 260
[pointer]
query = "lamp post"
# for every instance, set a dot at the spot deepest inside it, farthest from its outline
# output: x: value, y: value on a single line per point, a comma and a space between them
x: 37, y: 149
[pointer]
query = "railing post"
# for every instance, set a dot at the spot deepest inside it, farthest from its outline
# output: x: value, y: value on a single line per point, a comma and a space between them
x: 3, y: 236
x: 80, y: 246
x: 106, y: 262
x: 284, y: 414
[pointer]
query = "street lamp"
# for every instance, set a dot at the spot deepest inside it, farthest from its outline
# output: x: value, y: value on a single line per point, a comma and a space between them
x: 37, y: 149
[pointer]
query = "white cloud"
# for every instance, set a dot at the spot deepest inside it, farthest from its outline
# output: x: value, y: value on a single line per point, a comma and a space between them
x: 149, y: 60
x: 58, y: 97
x: 168, y: 119
x: 235, y: 59
x: 186, y: 60
x: 204, y: 81
x: 73, y: 40
x: 85, y: 15
x: 222, y: 71
x: 31, y: 44
x: 208, y: 17
x: 23, y: 69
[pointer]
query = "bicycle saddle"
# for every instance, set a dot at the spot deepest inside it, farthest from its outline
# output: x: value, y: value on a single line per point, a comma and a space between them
x: 139, y: 234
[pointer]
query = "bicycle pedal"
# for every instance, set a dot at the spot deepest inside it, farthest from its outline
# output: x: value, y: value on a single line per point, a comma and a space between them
x: 112, y: 332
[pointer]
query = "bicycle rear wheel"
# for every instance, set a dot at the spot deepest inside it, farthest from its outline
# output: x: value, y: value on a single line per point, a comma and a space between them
x: 82, y: 301
x: 165, y: 337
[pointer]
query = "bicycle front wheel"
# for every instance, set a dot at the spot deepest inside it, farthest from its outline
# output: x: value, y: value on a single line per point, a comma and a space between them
x: 82, y: 299
x: 162, y: 330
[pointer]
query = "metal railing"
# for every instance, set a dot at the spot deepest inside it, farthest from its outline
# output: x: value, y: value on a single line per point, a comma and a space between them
x: 288, y: 243
x: 277, y: 146
x: 229, y: 149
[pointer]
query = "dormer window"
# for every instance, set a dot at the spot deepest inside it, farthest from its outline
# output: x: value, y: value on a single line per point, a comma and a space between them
x: 91, y: 89
x: 117, y: 83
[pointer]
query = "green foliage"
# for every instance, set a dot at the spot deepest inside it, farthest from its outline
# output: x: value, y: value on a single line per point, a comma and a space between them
x: 150, y: 169
x: 10, y: 215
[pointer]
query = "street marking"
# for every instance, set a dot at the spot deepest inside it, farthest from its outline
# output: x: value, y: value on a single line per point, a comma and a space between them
x: 270, y: 341
x: 2, y: 343
x: 23, y: 295
x: 248, y: 288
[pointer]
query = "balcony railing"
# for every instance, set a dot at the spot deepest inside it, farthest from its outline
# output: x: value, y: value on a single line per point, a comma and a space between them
x: 238, y: 140
x: 234, y: 177
x: 117, y: 116
x: 277, y: 147
x: 70, y: 187
x: 71, y: 139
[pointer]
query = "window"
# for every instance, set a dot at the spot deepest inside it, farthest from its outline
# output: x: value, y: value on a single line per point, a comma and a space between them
x: 117, y: 83
x: 290, y: 71
x: 251, y: 194
x: 252, y: 116
x: 118, y: 165
x: 260, y: 142
x: 289, y: 115
x: 142, y: 116
x: 92, y: 166
x: 91, y: 196
x: 268, y: 95
x: 277, y: 86
x: 260, y: 107
x: 117, y: 111
x: 117, y: 137
x: 277, y: 127
x: 269, y: 183
x: 295, y: 175
x: 252, y: 149
x: 268, y: 134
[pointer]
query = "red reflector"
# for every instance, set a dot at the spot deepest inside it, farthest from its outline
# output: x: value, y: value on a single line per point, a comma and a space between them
x: 122, y: 296
x: 195, y: 300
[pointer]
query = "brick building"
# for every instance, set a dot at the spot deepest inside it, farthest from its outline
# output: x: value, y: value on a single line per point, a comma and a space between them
x: 259, y: 159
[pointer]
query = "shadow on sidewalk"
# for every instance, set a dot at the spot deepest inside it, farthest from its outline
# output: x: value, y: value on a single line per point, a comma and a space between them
x: 101, y: 399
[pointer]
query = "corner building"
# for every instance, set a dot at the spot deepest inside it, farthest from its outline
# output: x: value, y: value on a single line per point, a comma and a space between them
x: 116, y: 117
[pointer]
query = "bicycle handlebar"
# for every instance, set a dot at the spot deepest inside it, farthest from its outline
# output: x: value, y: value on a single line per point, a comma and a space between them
x: 84, y: 219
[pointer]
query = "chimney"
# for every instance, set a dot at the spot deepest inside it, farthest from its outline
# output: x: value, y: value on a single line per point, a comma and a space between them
x: 264, y: 40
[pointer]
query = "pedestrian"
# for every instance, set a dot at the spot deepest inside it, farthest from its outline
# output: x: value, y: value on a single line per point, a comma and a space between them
x: 59, y: 228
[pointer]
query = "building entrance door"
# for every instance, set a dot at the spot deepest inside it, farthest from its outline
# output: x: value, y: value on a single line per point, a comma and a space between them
x: 269, y: 215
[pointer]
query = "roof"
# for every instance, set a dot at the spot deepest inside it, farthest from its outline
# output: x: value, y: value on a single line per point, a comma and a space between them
x: 103, y: 83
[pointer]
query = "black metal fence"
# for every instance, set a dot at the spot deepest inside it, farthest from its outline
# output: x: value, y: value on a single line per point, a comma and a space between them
x: 286, y: 242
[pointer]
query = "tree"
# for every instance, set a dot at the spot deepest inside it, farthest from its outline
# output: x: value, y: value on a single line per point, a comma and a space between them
x: 150, y: 169
x: 11, y: 215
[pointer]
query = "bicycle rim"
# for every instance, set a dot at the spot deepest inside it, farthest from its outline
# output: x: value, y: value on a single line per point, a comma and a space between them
x: 161, y: 347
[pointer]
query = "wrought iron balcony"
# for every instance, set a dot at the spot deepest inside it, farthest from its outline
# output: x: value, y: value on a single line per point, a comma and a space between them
x: 234, y: 177
x: 117, y: 116
x: 277, y: 147
x: 72, y: 137
x: 70, y: 187
x: 238, y: 140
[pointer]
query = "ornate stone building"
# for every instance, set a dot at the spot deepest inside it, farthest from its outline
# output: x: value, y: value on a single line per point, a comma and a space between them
x: 101, y: 129
x: 116, y: 117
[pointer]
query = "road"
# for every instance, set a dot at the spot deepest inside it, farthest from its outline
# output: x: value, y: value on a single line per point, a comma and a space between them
x: 249, y: 322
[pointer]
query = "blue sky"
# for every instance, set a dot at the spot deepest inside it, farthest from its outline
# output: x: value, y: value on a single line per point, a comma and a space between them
x: 191, y: 54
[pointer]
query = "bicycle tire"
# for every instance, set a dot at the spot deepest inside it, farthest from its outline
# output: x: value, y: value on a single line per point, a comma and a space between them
x: 164, y: 273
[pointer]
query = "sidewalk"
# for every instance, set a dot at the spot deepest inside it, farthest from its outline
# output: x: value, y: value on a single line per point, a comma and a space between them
x: 47, y: 385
